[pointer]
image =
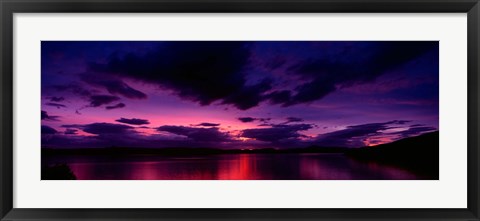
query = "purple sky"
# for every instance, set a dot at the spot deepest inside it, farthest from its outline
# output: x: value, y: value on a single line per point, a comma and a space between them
x: 280, y: 94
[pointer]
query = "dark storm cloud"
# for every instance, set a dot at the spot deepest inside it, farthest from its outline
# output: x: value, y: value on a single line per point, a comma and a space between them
x: 246, y: 119
x: 190, y: 69
x: 107, y: 128
x: 70, y: 131
x: 99, y: 100
x: 56, y: 99
x: 202, y: 72
x: 201, y: 134
x: 48, y: 130
x: 133, y: 121
x: 353, y: 136
x: 45, y: 116
x: 116, y: 106
x: 353, y: 66
x: 113, y: 86
x: 207, y: 124
x: 56, y: 105
x: 276, y: 133
x: 279, y: 97
x: 102, y: 128
x: 249, y: 96
x: 251, y: 119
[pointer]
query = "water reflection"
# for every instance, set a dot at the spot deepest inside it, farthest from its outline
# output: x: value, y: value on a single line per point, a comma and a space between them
x: 229, y: 167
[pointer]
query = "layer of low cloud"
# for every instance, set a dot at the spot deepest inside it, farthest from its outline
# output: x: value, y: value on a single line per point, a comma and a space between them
x: 202, y: 134
x: 46, y: 116
x: 205, y: 134
x: 116, y: 106
x: 133, y: 121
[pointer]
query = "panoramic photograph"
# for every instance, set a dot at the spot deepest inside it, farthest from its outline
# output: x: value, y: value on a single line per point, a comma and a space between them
x: 239, y: 110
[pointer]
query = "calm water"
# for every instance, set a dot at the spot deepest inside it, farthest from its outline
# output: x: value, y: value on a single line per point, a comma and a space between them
x: 229, y: 167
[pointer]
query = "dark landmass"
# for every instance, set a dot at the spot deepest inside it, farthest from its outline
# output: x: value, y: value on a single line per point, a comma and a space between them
x: 418, y: 154
x: 57, y: 172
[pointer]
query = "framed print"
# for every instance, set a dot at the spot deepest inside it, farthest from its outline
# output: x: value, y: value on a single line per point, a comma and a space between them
x: 258, y: 110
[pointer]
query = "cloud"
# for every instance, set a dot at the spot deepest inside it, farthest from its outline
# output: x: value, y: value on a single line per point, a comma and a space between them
x: 70, y: 131
x: 211, y: 134
x: 402, y: 121
x: 99, y: 100
x: 107, y: 128
x: 202, y: 72
x: 249, y: 96
x: 276, y: 133
x: 207, y: 125
x: 120, y: 135
x: 101, y: 128
x: 293, y: 119
x: 359, y: 63
x: 264, y: 119
x: 72, y: 125
x: 45, y: 116
x: 246, y: 119
x: 416, y: 125
x: 119, y: 105
x: 56, y: 99
x: 189, y: 69
x: 74, y: 88
x: 113, y: 86
x: 48, y: 130
x: 133, y: 121
x: 354, y: 136
x: 251, y: 119
x: 228, y: 73
x: 414, y: 131
x: 106, y: 134
x: 279, y: 97
x: 56, y: 105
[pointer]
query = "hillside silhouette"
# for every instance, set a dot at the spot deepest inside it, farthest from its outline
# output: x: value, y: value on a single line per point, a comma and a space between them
x: 418, y: 154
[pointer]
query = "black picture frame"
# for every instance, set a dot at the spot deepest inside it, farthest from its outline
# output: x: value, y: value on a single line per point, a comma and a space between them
x: 9, y: 7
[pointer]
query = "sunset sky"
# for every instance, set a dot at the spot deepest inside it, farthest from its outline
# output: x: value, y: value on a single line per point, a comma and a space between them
x: 226, y: 94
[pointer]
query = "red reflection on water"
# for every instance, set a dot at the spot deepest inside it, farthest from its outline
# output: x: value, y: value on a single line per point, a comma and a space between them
x: 82, y: 170
x: 144, y: 171
x: 242, y: 169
